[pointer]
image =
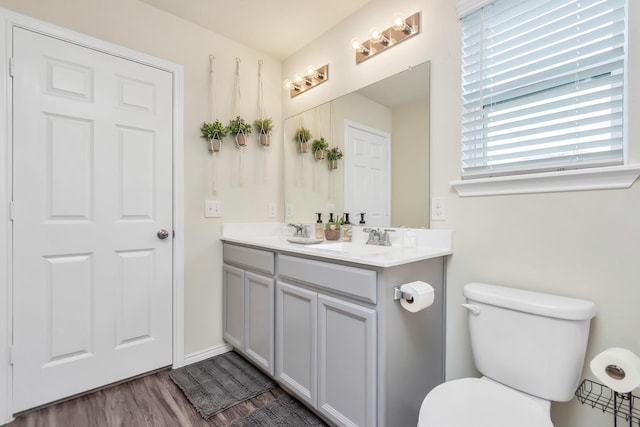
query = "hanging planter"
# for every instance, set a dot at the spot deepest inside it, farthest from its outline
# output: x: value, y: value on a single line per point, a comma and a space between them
x: 333, y: 155
x: 239, y: 129
x: 319, y: 146
x: 302, y: 136
x: 264, y: 127
x: 213, y: 132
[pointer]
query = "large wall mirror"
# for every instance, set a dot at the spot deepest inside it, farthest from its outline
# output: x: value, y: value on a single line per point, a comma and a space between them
x: 383, y: 131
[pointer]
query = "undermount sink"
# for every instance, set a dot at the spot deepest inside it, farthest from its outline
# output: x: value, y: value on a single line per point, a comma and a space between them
x: 353, y: 248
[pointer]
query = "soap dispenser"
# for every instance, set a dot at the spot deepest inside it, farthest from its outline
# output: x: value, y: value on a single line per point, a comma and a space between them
x: 347, y: 232
x: 319, y: 227
x: 362, y: 219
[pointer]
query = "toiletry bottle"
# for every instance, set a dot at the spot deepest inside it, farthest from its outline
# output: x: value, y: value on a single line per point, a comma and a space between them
x: 347, y: 232
x: 319, y: 227
x: 362, y: 219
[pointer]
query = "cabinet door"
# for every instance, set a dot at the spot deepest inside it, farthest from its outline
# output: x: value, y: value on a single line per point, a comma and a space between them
x: 259, y: 323
x: 346, y: 362
x: 233, y: 305
x: 296, y: 325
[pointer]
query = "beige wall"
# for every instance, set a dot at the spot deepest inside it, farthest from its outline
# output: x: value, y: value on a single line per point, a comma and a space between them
x: 410, y: 165
x: 583, y: 244
x: 139, y: 26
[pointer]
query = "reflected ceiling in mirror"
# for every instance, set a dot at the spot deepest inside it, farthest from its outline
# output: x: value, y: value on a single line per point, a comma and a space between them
x: 397, y: 106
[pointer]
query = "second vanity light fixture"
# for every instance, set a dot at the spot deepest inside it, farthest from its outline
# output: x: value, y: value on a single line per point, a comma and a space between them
x: 401, y: 30
x: 312, y: 78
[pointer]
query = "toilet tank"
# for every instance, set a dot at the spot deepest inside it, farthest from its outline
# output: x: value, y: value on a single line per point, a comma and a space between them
x: 531, y: 341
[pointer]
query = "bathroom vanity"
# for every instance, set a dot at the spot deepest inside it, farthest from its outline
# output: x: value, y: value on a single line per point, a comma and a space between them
x: 323, y: 322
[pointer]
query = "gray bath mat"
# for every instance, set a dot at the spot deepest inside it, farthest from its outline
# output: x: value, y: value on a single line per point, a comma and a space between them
x: 221, y: 382
x: 285, y: 411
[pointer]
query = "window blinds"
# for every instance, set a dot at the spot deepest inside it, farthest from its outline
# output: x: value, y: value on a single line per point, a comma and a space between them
x: 542, y: 86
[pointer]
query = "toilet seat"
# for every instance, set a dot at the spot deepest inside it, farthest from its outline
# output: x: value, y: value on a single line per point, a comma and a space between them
x: 475, y: 402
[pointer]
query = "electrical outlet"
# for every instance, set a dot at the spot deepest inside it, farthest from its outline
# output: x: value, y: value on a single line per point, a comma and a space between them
x: 289, y: 212
x: 273, y: 210
x: 212, y: 209
x: 438, y: 209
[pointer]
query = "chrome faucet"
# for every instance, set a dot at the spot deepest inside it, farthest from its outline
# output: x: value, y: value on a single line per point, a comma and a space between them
x: 301, y: 230
x: 374, y: 235
x: 378, y: 237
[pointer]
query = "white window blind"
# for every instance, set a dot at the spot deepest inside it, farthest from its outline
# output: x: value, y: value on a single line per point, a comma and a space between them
x: 542, y: 86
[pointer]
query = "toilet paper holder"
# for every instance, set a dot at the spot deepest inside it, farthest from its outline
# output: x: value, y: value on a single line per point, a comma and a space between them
x: 398, y: 295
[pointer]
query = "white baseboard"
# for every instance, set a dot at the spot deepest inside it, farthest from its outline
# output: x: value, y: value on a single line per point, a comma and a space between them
x: 206, y: 354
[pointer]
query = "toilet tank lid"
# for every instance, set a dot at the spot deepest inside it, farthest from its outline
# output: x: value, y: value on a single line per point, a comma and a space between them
x: 531, y: 302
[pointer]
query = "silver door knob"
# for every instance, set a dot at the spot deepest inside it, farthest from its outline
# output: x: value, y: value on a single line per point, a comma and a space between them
x: 163, y: 234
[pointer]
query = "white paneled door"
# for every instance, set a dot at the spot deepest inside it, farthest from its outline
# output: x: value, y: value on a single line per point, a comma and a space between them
x: 366, y: 176
x: 92, y: 192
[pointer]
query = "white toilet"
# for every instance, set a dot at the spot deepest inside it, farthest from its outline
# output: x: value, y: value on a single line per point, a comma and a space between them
x: 529, y: 346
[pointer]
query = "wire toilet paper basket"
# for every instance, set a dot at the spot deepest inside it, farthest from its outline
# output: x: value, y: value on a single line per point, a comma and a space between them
x: 621, y: 405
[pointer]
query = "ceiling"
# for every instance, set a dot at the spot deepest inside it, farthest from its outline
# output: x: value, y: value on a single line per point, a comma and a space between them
x: 277, y: 27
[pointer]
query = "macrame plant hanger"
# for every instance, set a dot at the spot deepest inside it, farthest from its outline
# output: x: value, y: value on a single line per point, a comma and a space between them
x: 237, y: 108
x: 301, y: 170
x: 212, y: 117
x: 264, y: 135
x: 332, y: 176
x: 317, y: 183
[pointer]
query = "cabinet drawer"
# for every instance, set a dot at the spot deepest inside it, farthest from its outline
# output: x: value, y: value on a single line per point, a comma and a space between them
x: 356, y: 282
x: 256, y: 259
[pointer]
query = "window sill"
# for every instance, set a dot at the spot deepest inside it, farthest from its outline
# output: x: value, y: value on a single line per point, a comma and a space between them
x: 604, y: 178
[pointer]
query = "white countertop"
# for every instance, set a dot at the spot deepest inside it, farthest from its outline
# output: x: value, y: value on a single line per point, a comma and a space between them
x: 430, y: 244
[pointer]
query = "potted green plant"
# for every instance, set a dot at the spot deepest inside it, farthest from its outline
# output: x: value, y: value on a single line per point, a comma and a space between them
x: 264, y: 127
x: 303, y: 135
x: 239, y: 129
x: 318, y: 146
x: 332, y: 230
x: 333, y: 155
x: 214, y: 133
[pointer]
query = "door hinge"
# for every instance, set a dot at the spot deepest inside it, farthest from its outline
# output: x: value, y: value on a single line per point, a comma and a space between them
x: 11, y: 355
x: 11, y: 210
x: 11, y: 67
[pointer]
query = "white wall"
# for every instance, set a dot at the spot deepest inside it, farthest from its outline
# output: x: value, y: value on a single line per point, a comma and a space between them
x: 582, y: 244
x: 139, y: 26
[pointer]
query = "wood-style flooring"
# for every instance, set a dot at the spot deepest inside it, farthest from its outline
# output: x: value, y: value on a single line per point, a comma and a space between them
x: 150, y: 401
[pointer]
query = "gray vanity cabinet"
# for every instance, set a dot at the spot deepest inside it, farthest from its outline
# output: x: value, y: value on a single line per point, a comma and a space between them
x: 331, y: 333
x: 248, y: 309
x: 326, y: 350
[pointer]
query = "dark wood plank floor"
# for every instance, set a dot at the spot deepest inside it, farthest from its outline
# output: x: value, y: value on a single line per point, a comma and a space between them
x: 151, y: 401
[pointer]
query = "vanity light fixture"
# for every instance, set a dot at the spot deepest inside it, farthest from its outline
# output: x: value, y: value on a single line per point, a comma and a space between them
x: 312, y: 78
x: 401, y: 29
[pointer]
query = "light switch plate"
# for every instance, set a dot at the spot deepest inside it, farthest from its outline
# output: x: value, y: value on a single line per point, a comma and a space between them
x: 212, y: 209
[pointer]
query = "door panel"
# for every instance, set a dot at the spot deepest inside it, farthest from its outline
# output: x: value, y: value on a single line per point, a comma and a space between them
x: 92, y: 149
x: 296, y: 325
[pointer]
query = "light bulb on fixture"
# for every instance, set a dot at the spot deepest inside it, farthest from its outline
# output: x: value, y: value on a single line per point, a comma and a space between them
x: 311, y: 71
x: 358, y: 47
x: 400, y: 24
x: 289, y: 85
x: 378, y: 36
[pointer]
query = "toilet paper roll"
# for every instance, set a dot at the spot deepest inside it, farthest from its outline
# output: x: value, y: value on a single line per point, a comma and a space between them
x: 421, y: 296
x: 618, y: 369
